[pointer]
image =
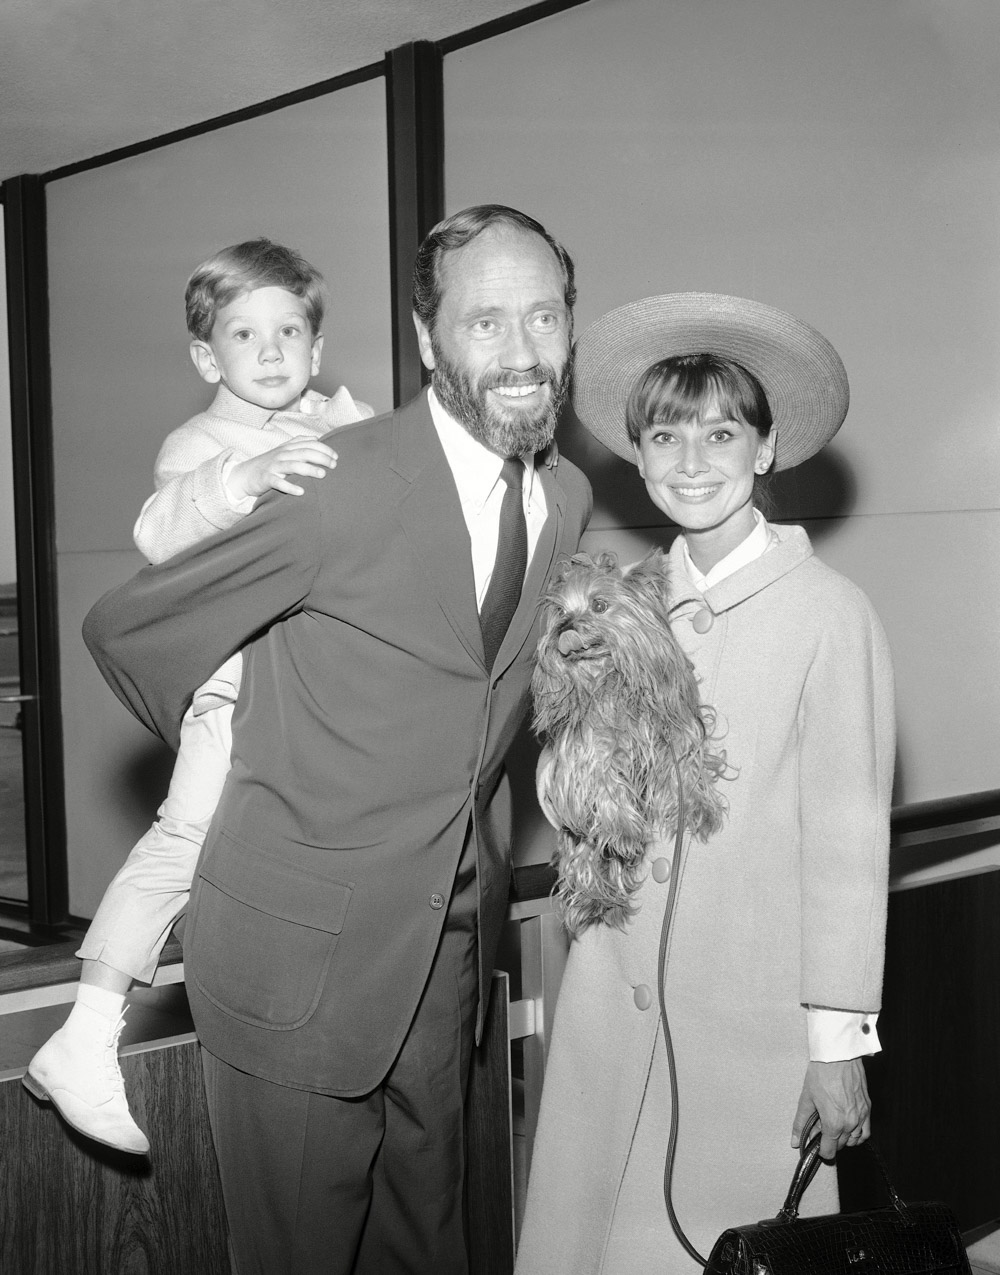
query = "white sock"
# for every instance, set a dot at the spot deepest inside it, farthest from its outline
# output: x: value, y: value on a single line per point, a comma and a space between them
x: 109, y: 1004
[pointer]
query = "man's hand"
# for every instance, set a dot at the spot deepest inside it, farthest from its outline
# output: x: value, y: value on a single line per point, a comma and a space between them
x: 839, y: 1092
x: 306, y: 456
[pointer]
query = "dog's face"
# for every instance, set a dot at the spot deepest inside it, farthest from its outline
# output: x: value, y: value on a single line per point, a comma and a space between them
x: 617, y: 704
x: 596, y: 615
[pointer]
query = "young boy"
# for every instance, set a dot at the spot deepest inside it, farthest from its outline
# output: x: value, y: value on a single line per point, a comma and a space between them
x: 254, y: 312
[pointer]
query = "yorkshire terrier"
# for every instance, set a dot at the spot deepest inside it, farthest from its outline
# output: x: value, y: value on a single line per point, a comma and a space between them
x: 617, y: 704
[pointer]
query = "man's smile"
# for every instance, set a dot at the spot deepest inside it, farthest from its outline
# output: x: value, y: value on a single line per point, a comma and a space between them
x: 516, y: 391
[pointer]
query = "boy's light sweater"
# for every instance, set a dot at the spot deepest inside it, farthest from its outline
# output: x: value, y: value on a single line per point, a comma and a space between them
x: 190, y: 501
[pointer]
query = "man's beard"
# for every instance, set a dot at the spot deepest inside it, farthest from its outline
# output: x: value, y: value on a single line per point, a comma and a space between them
x: 506, y: 431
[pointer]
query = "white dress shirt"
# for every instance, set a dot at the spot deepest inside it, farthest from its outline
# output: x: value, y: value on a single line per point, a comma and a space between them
x: 834, y: 1034
x: 476, y: 471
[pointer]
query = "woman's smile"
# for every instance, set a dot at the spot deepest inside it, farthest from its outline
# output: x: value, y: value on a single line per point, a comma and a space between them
x: 704, y: 491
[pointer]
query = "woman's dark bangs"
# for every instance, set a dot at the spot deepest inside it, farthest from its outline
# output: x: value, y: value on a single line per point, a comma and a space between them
x: 671, y: 393
x: 735, y: 398
x: 737, y: 394
x: 682, y: 387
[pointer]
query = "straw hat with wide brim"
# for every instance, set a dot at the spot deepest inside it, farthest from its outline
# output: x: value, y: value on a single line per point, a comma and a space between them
x: 802, y: 374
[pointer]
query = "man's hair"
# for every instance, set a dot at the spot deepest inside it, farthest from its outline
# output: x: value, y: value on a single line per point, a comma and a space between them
x: 460, y: 229
x: 256, y: 263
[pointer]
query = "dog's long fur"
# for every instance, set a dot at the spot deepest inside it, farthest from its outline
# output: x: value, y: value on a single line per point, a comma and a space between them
x: 616, y: 701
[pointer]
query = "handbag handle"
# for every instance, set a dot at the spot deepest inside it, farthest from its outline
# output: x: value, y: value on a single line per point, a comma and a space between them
x: 809, y: 1162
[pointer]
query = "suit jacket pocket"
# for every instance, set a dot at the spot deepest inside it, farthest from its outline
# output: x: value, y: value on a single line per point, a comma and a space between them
x: 262, y: 933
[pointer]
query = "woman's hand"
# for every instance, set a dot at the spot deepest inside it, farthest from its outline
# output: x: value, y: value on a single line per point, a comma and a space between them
x: 839, y: 1092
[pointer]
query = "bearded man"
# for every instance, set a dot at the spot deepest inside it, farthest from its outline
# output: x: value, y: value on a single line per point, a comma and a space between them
x: 349, y: 899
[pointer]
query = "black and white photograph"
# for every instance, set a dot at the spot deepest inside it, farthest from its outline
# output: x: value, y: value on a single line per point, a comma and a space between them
x: 499, y: 637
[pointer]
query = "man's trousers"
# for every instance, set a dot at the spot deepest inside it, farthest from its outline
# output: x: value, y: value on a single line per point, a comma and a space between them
x: 374, y: 1185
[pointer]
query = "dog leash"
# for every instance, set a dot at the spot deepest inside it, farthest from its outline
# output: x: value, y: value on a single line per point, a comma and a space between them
x: 675, y: 876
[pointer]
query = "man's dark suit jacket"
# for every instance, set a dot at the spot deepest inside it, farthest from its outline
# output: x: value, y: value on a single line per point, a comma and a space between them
x: 368, y: 743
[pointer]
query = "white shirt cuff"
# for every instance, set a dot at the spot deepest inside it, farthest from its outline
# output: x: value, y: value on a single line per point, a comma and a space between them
x: 238, y: 506
x: 836, y: 1035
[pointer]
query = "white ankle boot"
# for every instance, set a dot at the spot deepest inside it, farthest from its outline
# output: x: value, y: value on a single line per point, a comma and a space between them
x: 77, y: 1069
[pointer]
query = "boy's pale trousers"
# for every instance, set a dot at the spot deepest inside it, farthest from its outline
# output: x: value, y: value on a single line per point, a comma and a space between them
x: 151, y: 889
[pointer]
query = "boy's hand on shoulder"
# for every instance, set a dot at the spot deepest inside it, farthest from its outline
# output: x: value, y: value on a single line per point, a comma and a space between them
x: 270, y: 472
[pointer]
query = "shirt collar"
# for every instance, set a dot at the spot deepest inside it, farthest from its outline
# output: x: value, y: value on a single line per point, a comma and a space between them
x: 476, y: 469
x: 746, y: 551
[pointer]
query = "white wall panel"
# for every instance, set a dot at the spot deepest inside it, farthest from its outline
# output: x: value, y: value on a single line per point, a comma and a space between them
x: 840, y: 161
x: 123, y: 239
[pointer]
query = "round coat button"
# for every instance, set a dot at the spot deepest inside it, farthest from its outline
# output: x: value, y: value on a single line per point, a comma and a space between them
x: 642, y: 996
x: 866, y: 1028
x: 661, y: 870
x: 437, y: 902
x: 702, y: 621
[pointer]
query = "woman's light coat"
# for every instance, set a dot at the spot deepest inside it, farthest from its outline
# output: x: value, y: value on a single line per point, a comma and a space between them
x: 784, y: 907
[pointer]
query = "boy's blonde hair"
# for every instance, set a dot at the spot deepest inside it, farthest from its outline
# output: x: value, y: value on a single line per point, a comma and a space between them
x: 255, y: 263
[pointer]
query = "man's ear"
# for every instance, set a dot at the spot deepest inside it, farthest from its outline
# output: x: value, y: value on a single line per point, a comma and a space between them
x: 204, y: 360
x: 317, y: 351
x: 425, y: 343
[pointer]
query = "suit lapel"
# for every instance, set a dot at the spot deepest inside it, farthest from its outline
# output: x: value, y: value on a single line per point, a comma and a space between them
x: 431, y: 514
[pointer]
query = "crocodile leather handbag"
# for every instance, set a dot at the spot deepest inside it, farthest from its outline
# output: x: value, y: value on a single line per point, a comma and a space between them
x: 900, y: 1239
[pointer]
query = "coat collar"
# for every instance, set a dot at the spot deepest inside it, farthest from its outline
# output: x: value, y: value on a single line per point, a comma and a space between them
x: 790, y: 551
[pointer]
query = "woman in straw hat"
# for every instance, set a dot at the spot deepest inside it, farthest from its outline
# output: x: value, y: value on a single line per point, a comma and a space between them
x: 774, y: 968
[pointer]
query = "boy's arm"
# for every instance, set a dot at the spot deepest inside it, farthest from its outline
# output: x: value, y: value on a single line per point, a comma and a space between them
x: 190, y: 500
x: 160, y: 635
x: 195, y: 492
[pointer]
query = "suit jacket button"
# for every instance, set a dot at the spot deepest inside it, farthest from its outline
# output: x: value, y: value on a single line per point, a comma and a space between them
x: 702, y: 621
x: 642, y: 996
x: 437, y: 902
x: 661, y: 870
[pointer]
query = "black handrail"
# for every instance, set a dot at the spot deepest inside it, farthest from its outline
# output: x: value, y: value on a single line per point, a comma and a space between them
x: 916, y: 823
x: 55, y: 963
x: 961, y: 813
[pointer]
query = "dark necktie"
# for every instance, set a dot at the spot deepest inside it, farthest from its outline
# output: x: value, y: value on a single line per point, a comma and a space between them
x: 504, y: 591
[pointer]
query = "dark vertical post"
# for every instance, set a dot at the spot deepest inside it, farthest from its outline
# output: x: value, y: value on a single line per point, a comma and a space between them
x: 489, y: 1189
x: 34, y: 520
x: 415, y: 113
